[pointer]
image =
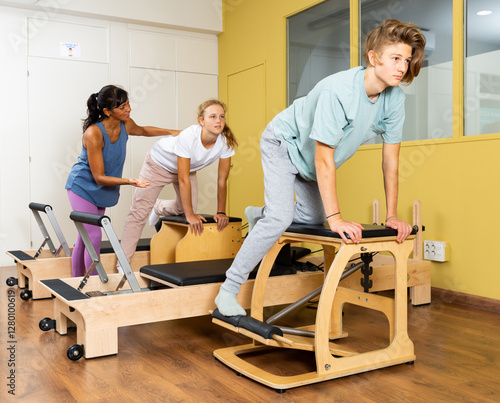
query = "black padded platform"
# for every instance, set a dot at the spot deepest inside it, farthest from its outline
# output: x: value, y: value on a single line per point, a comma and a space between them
x: 64, y: 290
x: 20, y: 255
x: 190, y: 273
x: 142, y: 245
x: 202, y: 271
x: 370, y: 230
x: 251, y: 324
x: 182, y: 219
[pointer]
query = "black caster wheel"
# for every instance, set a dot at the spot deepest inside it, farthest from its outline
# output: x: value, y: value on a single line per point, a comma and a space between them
x: 410, y: 363
x: 11, y: 281
x: 47, y: 324
x: 75, y: 352
x: 26, y: 295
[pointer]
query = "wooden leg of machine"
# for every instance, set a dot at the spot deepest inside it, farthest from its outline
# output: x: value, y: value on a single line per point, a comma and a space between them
x: 21, y: 277
x: 420, y: 294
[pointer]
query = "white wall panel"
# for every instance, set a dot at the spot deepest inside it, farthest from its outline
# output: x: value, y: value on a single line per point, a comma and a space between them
x: 192, y: 90
x: 197, y: 55
x: 14, y: 157
x: 92, y: 40
x: 58, y: 93
x: 45, y: 111
x: 152, y: 50
x: 153, y: 100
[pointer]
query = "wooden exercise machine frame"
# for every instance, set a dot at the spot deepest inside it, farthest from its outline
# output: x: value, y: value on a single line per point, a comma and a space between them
x: 332, y: 361
x: 97, y: 319
x: 43, y: 263
x: 175, y: 243
x: 30, y: 272
x: 419, y: 270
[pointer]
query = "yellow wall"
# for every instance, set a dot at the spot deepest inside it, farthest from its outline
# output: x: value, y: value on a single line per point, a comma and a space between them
x: 456, y: 179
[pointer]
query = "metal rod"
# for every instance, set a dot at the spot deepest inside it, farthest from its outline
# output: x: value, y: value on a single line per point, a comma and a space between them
x: 44, y: 231
x: 304, y: 300
x: 58, y: 231
x: 120, y: 255
x: 294, y: 306
x: 92, y: 252
x: 296, y: 332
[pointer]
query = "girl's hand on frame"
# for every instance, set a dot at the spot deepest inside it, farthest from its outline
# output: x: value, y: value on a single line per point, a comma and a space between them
x: 196, y: 223
x: 222, y: 220
x: 139, y: 183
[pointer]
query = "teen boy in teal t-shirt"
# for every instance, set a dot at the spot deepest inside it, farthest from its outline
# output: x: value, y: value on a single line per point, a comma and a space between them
x: 304, y: 145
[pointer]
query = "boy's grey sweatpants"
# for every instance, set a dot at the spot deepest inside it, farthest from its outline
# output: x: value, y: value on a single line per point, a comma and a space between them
x: 281, y: 180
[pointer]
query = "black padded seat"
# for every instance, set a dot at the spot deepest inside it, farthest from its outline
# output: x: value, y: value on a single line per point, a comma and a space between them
x: 182, y: 219
x: 201, y: 271
x: 370, y: 230
x: 190, y: 273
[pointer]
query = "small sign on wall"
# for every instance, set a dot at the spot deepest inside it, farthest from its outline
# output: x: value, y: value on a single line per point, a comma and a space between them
x: 69, y: 49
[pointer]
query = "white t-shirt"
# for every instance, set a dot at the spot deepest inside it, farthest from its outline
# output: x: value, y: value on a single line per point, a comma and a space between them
x: 188, y: 145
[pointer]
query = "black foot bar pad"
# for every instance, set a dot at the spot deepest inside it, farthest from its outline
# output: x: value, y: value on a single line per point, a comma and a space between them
x: 64, y: 290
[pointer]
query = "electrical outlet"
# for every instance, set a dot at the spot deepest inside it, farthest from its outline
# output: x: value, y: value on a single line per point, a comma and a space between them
x: 436, y: 250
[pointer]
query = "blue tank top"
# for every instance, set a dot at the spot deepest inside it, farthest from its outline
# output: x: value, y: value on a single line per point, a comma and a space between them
x: 81, y: 181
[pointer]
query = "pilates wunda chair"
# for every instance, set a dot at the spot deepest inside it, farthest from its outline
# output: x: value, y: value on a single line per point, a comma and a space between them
x: 41, y: 264
x: 157, y: 293
x: 378, y: 271
x: 332, y: 359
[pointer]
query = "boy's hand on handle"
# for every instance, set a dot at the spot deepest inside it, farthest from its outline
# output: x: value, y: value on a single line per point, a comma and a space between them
x: 196, y: 223
x: 342, y: 227
x: 222, y: 220
x: 138, y: 183
x: 404, y: 229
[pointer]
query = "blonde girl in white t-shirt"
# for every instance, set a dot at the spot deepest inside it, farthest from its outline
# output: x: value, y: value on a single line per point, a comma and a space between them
x: 175, y: 160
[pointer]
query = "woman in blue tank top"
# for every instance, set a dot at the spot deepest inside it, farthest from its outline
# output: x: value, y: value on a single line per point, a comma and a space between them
x: 94, y: 181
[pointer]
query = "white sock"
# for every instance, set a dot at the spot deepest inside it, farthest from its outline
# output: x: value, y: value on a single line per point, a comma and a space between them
x: 153, y: 218
x: 249, y: 216
x: 227, y: 304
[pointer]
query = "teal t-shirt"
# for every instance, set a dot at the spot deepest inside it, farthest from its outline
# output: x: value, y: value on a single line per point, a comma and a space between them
x: 338, y: 113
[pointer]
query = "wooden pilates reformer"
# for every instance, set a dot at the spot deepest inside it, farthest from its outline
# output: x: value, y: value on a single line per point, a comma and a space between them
x: 99, y: 305
x: 47, y: 263
x: 332, y: 359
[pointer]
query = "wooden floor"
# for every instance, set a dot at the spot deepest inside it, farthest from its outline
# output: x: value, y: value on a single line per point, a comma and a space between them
x: 457, y: 349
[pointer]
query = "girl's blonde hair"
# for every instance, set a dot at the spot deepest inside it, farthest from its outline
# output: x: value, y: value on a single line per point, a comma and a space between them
x: 390, y: 32
x: 227, y: 132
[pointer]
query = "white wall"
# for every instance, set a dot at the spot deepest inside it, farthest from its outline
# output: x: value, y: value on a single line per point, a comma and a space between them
x: 167, y: 73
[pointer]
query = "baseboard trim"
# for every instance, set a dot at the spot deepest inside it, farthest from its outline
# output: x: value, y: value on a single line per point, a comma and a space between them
x: 440, y: 295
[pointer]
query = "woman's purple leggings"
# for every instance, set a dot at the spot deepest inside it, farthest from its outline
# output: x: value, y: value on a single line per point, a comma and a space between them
x: 80, y: 258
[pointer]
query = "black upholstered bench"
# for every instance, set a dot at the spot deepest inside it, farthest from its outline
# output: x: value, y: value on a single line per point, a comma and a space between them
x: 181, y: 219
x: 199, y: 272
